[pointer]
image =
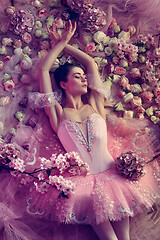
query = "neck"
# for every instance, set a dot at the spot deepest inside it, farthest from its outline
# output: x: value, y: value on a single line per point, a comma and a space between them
x: 73, y: 102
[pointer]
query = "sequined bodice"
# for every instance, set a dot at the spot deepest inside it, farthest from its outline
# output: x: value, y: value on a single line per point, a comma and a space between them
x: 89, y: 138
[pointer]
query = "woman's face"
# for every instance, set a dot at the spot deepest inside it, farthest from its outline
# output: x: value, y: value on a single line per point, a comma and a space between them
x: 76, y: 82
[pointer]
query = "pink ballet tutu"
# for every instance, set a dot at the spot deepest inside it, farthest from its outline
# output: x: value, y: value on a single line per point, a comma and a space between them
x: 98, y: 197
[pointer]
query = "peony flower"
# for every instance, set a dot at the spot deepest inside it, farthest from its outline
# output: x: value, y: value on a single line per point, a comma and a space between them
x: 130, y: 165
x: 90, y: 47
x: 135, y: 73
x: 5, y: 100
x: 99, y: 36
x: 26, y: 37
x: 9, y: 85
x: 119, y: 70
x: 1, y: 65
x: 7, y: 42
x: 25, y: 79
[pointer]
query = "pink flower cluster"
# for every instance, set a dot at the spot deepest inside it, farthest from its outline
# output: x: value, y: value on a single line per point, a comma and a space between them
x: 10, y: 157
x: 130, y: 165
x: 63, y: 185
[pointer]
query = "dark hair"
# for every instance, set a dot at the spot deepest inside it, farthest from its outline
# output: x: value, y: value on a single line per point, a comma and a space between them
x: 61, y: 73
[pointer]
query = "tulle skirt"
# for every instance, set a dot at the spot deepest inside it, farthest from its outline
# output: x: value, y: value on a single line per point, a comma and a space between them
x: 98, y: 197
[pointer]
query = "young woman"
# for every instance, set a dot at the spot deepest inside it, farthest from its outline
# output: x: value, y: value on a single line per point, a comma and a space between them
x: 103, y: 199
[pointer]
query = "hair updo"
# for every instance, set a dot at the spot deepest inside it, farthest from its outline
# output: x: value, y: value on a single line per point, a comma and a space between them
x: 61, y: 73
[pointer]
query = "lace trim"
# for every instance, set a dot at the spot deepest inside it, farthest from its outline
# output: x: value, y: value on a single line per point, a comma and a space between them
x: 40, y: 100
x: 103, y: 89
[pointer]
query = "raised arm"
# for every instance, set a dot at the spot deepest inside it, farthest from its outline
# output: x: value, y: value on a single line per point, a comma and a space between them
x: 54, y: 112
x: 94, y: 80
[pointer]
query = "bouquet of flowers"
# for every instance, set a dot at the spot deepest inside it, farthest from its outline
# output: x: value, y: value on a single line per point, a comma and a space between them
x: 50, y: 171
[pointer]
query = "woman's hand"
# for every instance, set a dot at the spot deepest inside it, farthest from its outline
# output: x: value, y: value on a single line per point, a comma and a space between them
x: 67, y: 34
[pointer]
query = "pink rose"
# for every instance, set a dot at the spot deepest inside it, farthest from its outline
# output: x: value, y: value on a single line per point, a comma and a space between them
x: 44, y: 45
x: 7, y: 58
x: 115, y: 60
x: 26, y: 37
x: 9, y: 85
x: 26, y: 63
x: 147, y: 96
x: 136, y: 102
x: 1, y: 65
x: 42, y: 13
x: 119, y: 70
x: 4, y: 101
x: 90, y: 47
x: 135, y: 73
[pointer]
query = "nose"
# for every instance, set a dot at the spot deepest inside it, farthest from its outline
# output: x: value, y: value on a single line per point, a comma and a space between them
x: 83, y: 79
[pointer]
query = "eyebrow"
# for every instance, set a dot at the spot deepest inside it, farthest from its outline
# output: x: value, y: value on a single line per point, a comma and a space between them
x: 79, y: 73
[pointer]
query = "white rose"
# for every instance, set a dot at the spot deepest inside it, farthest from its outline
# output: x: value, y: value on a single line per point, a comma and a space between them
x: 18, y: 51
x: 38, y: 33
x: 45, y: 35
x: 116, y: 28
x: 99, y: 36
x: 99, y: 47
x: 124, y: 35
x: 6, y: 77
x: 3, y: 50
x: 108, y: 51
x: 38, y: 24
x: 7, y: 41
x: 53, y: 3
x: 49, y: 21
x: 98, y: 60
x: 26, y: 62
x: 104, y: 62
x: 106, y: 40
x: 27, y: 50
x: 128, y: 114
x: 25, y: 78
x: 113, y: 42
